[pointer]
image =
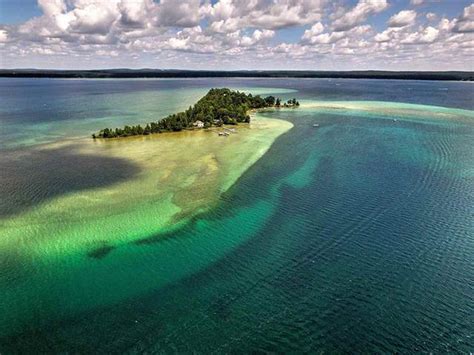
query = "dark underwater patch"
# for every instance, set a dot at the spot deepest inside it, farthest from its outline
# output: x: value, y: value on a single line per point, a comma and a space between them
x: 13, y: 267
x: 100, y: 252
x: 30, y: 177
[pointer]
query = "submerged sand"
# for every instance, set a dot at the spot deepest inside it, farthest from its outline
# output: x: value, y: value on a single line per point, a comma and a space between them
x: 390, y: 110
x: 179, y: 175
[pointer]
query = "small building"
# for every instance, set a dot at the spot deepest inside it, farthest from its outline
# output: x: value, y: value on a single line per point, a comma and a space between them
x: 198, y: 124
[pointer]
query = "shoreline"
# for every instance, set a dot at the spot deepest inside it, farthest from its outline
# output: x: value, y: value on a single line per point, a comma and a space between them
x: 194, y: 129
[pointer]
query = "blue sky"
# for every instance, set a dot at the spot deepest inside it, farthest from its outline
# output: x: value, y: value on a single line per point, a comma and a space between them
x: 16, y: 11
x: 238, y: 34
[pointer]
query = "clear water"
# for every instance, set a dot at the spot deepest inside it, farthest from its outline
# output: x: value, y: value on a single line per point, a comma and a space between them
x: 356, y: 236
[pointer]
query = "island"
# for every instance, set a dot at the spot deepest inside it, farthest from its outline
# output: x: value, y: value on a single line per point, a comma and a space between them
x: 218, y: 107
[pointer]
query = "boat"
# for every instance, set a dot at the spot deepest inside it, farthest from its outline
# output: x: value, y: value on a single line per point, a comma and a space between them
x: 316, y: 125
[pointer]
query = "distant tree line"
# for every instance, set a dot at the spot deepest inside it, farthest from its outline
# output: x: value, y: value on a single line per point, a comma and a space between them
x: 216, y: 108
x: 156, y: 73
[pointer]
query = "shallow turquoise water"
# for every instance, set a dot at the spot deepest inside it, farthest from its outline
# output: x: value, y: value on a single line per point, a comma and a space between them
x: 356, y: 236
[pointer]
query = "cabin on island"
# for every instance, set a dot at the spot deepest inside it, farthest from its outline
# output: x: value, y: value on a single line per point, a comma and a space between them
x: 198, y: 124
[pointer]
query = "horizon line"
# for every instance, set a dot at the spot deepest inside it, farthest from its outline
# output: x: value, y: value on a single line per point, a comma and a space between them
x: 246, y: 70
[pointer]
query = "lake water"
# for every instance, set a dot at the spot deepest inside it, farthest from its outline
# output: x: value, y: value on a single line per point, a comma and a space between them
x: 354, y: 236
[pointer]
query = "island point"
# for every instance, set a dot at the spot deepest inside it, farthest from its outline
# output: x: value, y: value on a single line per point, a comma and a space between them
x: 217, y: 108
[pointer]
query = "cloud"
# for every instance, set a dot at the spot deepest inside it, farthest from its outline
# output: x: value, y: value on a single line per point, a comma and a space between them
x: 93, y: 17
x: 197, y: 40
x: 256, y: 37
x: 425, y: 35
x: 465, y: 22
x: 315, y: 30
x: 134, y: 13
x: 383, y: 36
x: 190, y: 40
x: 431, y: 16
x: 446, y: 25
x: 437, y: 46
x: 3, y: 36
x: 111, y: 16
x: 403, y: 18
x: 229, y: 15
x: 327, y: 38
x: 183, y: 13
x: 359, y: 14
x: 52, y: 7
x: 344, y: 39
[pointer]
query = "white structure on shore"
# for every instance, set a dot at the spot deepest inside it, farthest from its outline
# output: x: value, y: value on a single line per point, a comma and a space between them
x: 198, y: 124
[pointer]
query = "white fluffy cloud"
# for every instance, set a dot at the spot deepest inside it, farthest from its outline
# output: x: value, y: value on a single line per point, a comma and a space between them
x: 384, y: 36
x: 256, y: 37
x: 196, y: 40
x: 134, y: 13
x: 403, y: 18
x: 92, y: 17
x: 52, y: 7
x: 183, y: 13
x: 3, y: 36
x: 229, y: 15
x: 327, y: 38
x: 425, y: 35
x: 465, y: 22
x: 359, y: 14
x: 315, y: 30
x: 106, y: 17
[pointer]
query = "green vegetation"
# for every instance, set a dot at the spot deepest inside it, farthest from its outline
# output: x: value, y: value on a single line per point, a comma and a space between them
x: 217, y: 107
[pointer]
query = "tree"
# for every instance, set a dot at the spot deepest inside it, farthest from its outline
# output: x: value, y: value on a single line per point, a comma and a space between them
x: 270, y: 100
x: 147, y: 129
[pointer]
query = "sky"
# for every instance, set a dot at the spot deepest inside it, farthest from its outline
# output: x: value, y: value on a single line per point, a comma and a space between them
x: 238, y: 34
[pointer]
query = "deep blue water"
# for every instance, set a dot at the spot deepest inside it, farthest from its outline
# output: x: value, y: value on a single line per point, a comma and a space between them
x: 362, y: 237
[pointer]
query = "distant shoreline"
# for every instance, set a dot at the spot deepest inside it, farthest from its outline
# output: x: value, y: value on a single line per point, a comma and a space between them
x: 153, y: 73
